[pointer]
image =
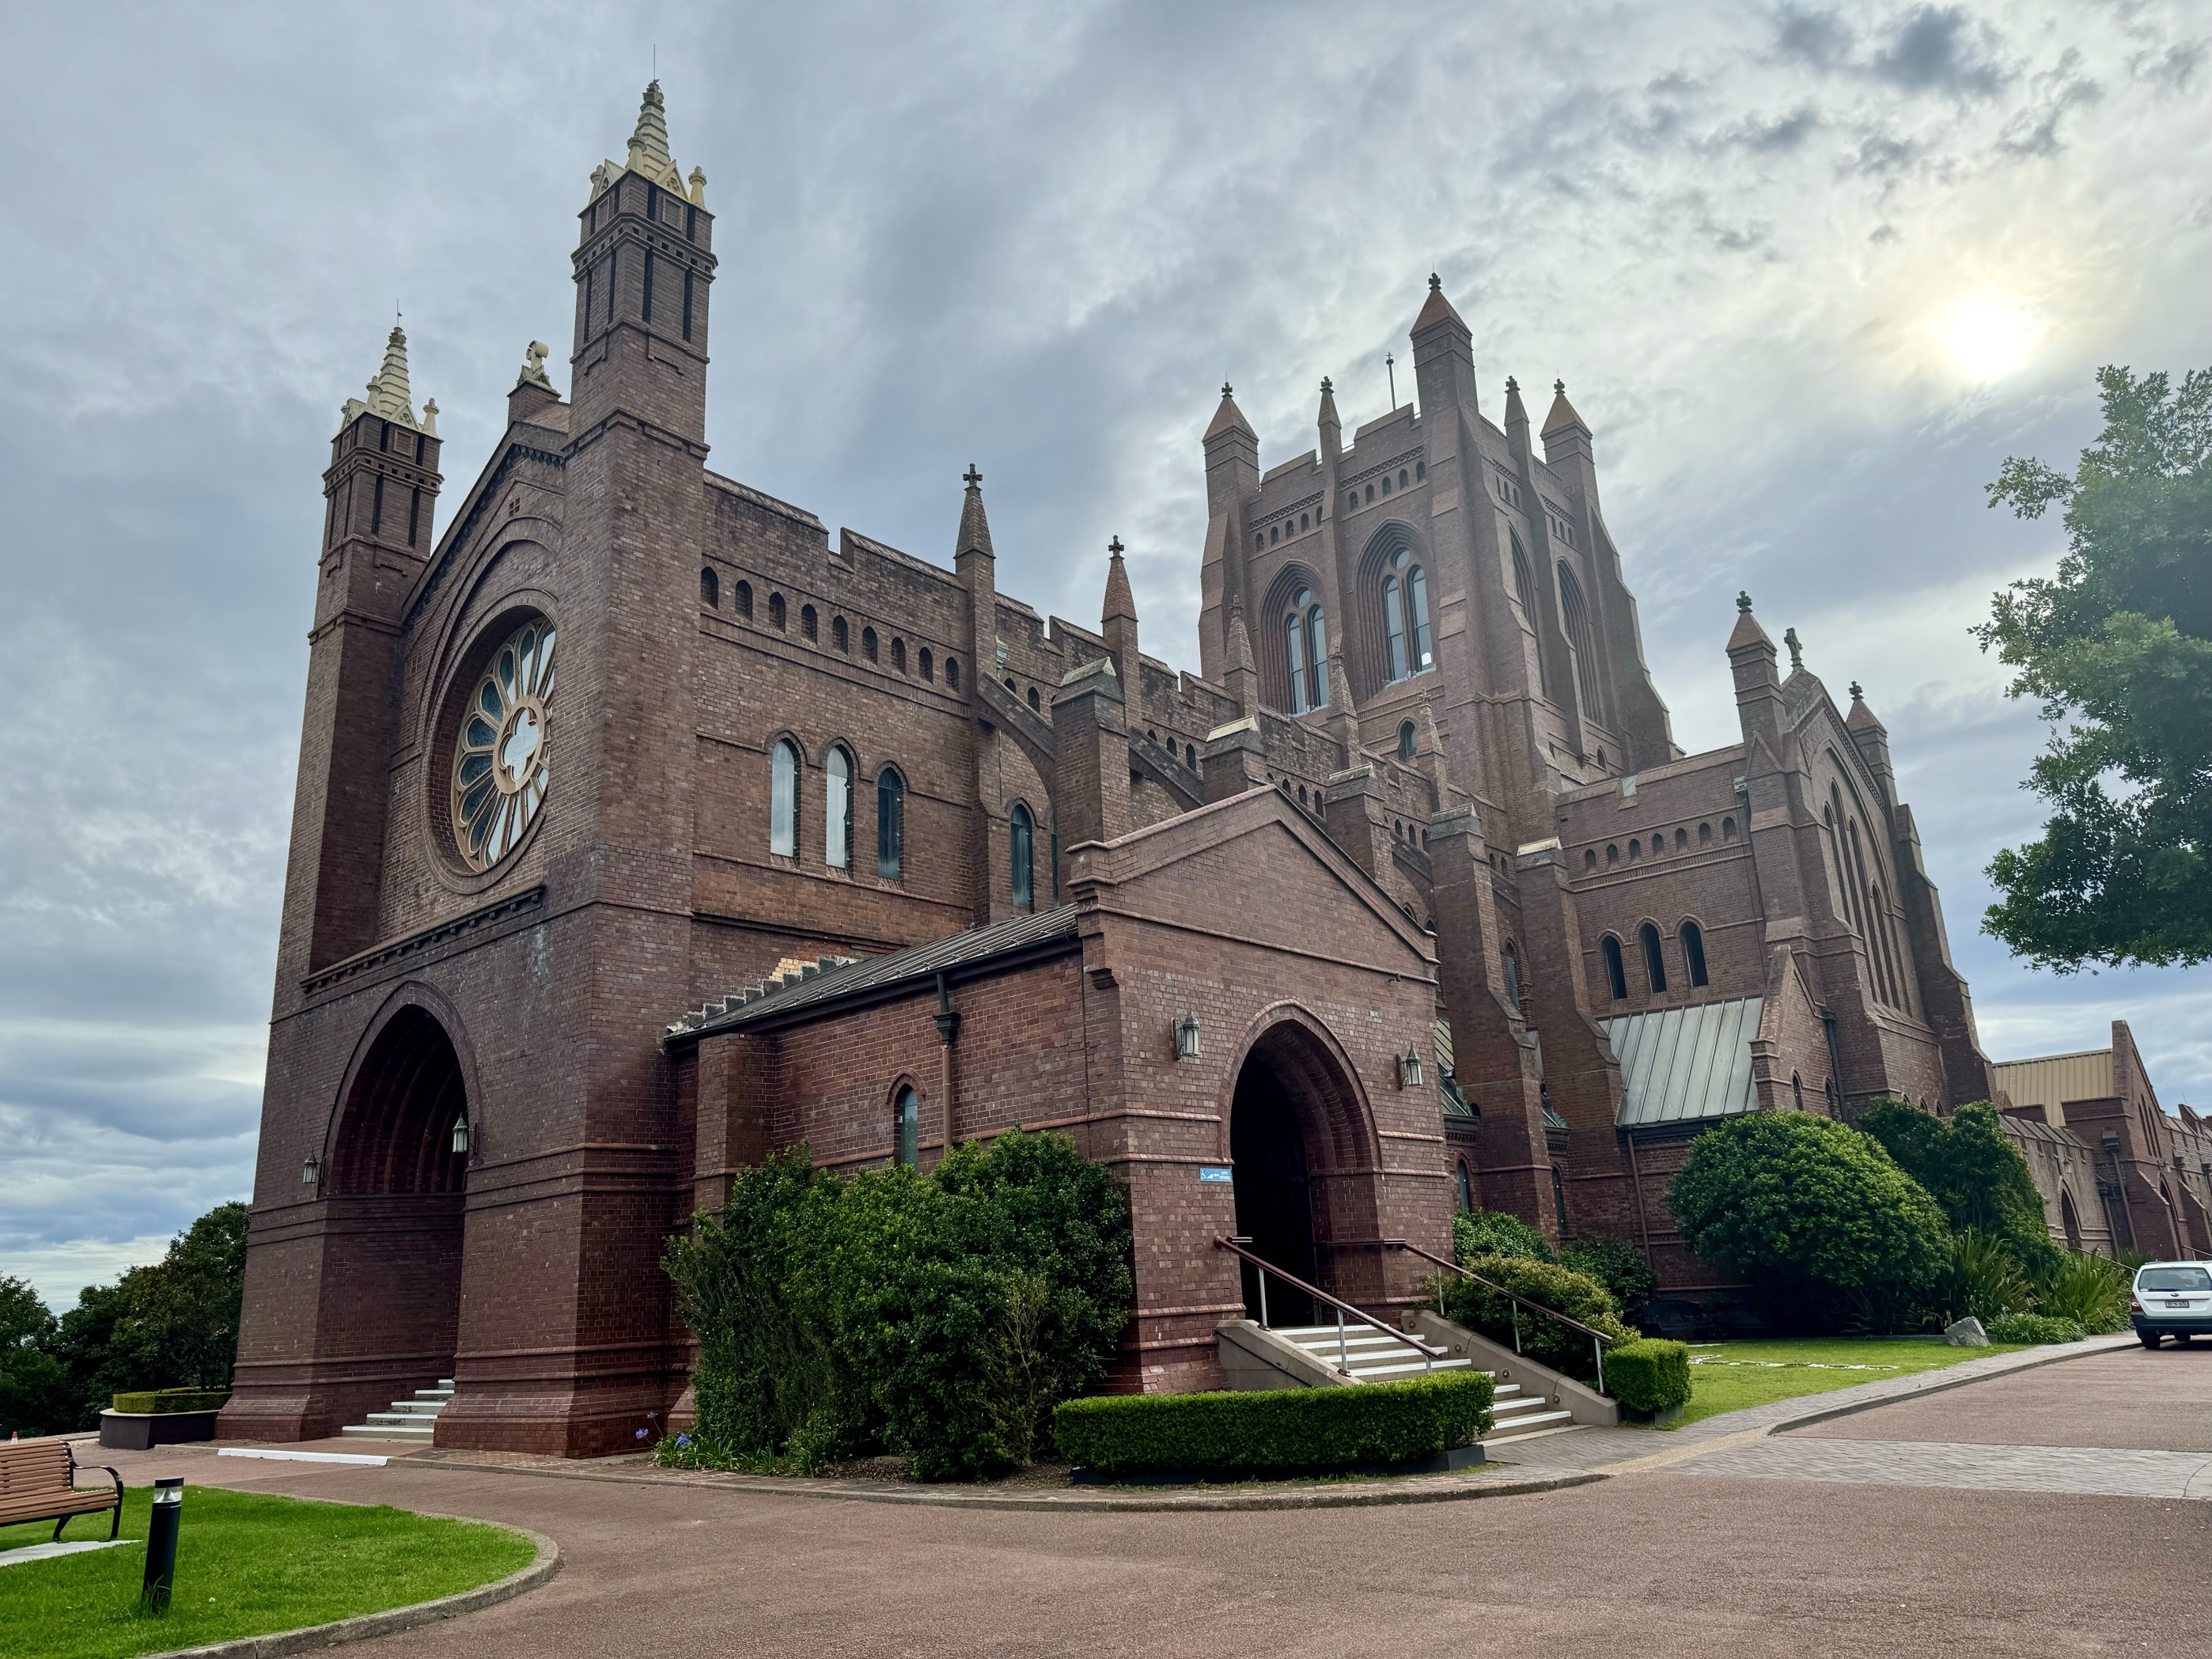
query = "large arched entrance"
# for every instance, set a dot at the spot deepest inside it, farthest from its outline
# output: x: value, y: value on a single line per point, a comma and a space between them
x: 397, y: 1173
x: 1303, y: 1169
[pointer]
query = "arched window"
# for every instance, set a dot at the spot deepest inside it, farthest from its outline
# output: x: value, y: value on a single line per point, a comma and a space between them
x: 1509, y: 960
x: 1589, y: 858
x: 1402, y: 477
x: 868, y: 643
x: 1466, y: 1187
x: 1034, y: 703
x: 1294, y: 641
x: 1407, y: 739
x: 1576, y: 620
x: 783, y: 800
x: 1704, y: 835
x: 1020, y: 855
x: 710, y: 589
x: 840, y: 636
x: 1654, y: 960
x: 837, y: 810
x: 1420, y: 470
x: 1417, y: 619
x: 952, y: 673
x: 1394, y: 628
x: 928, y: 666
x: 745, y: 600
x: 1560, y: 1200
x: 898, y: 655
x: 1190, y: 756
x: 1797, y: 1091
x: 775, y: 612
x: 1317, y: 649
x: 2067, y: 1219
x: 1693, y: 951
x: 906, y: 1127
x: 808, y: 622
x: 1616, y: 971
x: 1728, y: 828
x: 890, y: 824
x: 1681, y: 840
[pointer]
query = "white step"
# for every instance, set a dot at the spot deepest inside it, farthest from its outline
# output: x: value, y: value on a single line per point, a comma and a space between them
x: 1527, y: 1426
x: 386, y: 1431
x: 408, y: 1419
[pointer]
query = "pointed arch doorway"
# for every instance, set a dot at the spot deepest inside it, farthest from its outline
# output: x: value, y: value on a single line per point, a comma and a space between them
x: 1305, y: 1172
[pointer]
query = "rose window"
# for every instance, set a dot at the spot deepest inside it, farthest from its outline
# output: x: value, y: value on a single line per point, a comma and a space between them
x: 498, y: 757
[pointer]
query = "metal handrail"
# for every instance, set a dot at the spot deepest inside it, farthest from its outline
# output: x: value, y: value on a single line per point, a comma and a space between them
x: 1236, y: 1247
x: 1598, y: 1338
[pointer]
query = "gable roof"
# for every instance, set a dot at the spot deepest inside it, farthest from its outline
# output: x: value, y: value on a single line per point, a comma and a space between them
x: 1685, y: 1065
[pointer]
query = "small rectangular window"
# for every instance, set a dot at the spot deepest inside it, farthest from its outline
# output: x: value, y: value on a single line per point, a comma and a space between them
x: 687, y: 305
x: 376, y: 508
x: 646, y: 311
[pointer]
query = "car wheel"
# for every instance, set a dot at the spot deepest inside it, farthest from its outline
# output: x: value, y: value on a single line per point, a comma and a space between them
x: 2149, y: 1338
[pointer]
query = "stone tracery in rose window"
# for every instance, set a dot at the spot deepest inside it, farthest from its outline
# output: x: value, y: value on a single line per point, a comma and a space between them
x: 500, y: 752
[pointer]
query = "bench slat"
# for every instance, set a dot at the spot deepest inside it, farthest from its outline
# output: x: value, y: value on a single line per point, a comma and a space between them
x: 76, y: 1503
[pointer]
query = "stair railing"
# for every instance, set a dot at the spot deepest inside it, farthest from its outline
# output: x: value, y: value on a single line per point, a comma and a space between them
x: 1240, y: 1247
x: 1598, y: 1338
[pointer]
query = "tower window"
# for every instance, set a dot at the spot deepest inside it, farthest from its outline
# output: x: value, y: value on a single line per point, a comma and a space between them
x: 1466, y: 1187
x: 952, y: 673
x: 928, y: 665
x: 1728, y: 828
x: 710, y: 589
x: 1305, y: 640
x: 1616, y: 971
x: 807, y: 622
x: 775, y: 612
x: 898, y: 655
x: 890, y: 824
x: 1386, y: 484
x: 1420, y: 470
x: 1370, y: 492
x: 1407, y: 739
x: 1034, y: 703
x: 376, y: 508
x: 746, y: 599
x: 1020, y: 857
x: 414, y: 514
x: 1693, y: 951
x: 1509, y: 960
x: 868, y: 643
x: 1654, y: 960
x: 840, y: 636
x: 612, y: 256
x: 783, y: 800
x: 837, y: 813
x: 1402, y: 477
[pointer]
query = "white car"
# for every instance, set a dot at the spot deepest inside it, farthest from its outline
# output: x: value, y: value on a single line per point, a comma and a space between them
x: 2171, y: 1298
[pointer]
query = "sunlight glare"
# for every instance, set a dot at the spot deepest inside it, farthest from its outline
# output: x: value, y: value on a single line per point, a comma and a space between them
x: 1985, y: 336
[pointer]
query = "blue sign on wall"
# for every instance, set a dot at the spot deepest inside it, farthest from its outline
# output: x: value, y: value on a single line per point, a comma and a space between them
x: 1212, y: 1172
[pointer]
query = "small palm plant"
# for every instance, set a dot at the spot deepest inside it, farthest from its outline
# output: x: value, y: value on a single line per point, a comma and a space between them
x: 2092, y: 1291
x: 1980, y: 1278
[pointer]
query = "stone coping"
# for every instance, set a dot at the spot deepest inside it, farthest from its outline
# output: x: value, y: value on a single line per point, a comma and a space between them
x: 543, y: 1566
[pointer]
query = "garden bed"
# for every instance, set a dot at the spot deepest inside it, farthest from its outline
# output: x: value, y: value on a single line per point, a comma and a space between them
x: 247, y: 1564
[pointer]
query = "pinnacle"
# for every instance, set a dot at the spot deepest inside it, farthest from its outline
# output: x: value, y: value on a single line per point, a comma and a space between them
x: 388, y: 395
x: 1747, y: 632
x: 1516, y: 413
x: 1119, y: 601
x: 650, y: 140
x: 1562, y: 415
x: 975, y: 528
x: 1328, y: 417
x: 1436, y: 308
x: 1228, y: 417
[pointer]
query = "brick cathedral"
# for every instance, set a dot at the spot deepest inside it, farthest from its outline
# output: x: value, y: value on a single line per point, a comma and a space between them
x: 643, y: 828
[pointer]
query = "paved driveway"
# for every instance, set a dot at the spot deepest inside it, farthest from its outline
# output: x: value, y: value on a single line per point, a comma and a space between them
x: 1684, y: 1559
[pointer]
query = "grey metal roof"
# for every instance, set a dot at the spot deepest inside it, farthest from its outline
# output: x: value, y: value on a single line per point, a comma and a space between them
x: 835, y: 979
x: 1685, y: 1065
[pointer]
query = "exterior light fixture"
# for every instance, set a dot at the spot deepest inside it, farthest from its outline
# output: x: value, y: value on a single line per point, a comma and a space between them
x: 168, y: 1509
x: 1186, y: 1036
x: 461, y: 1136
x: 1409, y: 1068
x: 311, y: 1171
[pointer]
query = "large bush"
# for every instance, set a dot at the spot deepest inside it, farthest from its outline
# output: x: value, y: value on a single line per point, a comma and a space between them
x: 1276, y: 1430
x: 1547, y: 1341
x: 1973, y: 1171
x: 1648, y: 1374
x: 940, y: 1316
x: 1810, y: 1210
x: 1496, y: 1232
x: 1617, y: 1264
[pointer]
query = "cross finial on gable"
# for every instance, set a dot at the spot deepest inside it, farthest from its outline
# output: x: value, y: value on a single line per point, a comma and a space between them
x: 1224, y: 388
x: 972, y: 477
x: 1797, y: 649
x: 1436, y: 283
x: 1857, y: 691
x: 1742, y: 600
x: 1560, y: 388
x: 1115, y: 547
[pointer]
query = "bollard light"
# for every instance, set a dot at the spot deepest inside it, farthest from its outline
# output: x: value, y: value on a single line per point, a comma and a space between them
x: 161, y: 1545
x: 1186, y: 1037
x: 461, y: 1135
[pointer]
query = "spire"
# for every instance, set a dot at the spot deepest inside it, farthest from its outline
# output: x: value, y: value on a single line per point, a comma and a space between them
x: 1228, y: 417
x: 975, y: 528
x: 1120, y: 602
x: 388, y: 396
x: 1562, y: 417
x: 1332, y: 429
x: 1516, y: 413
x: 648, y: 144
x: 1436, y: 308
x: 1860, y: 718
x: 1748, y: 630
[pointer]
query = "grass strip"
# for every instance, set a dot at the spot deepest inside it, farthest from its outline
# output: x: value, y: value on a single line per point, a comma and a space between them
x: 248, y: 1563
x: 1729, y: 1376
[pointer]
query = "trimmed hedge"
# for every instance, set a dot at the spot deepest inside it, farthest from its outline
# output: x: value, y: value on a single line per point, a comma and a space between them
x: 1277, y: 1429
x: 2033, y: 1327
x: 1550, y: 1285
x: 172, y: 1400
x: 1648, y: 1374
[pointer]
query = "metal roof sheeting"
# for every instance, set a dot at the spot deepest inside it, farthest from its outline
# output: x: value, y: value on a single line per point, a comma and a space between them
x: 1685, y: 1065
x: 2052, y: 1080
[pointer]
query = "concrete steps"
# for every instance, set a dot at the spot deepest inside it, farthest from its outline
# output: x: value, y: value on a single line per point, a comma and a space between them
x: 1372, y: 1356
x: 412, y: 1420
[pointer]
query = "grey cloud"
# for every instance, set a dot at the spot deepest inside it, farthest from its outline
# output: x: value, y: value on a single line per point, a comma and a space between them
x: 1819, y: 38
x: 1942, y: 49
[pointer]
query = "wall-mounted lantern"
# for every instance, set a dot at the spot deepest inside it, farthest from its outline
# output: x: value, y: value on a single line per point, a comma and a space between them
x: 461, y: 1136
x: 1186, y: 1037
x: 311, y: 1171
x: 1409, y: 1068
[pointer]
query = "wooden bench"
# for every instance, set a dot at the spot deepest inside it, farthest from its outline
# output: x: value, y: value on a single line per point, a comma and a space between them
x: 38, y: 1482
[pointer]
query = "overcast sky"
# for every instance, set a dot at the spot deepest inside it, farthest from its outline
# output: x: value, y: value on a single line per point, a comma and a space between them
x: 1810, y: 273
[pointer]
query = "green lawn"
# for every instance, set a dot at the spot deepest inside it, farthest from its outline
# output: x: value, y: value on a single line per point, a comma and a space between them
x: 1726, y: 1376
x: 247, y: 1565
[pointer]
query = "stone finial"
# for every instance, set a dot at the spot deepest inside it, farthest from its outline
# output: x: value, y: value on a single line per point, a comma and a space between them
x: 975, y: 528
x: 1858, y: 692
x: 1559, y: 388
x: 430, y: 418
x: 1436, y: 283
x: 1226, y: 392
x: 1743, y: 602
x: 533, y: 366
x: 388, y: 396
x: 1796, y: 650
x: 698, y: 186
x: 1227, y: 417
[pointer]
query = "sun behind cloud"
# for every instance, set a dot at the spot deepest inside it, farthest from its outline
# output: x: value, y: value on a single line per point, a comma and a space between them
x: 1986, y: 335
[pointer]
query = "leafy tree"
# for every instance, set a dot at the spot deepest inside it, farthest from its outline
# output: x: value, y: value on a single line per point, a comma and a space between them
x: 1971, y: 1169
x: 1813, y: 1212
x: 2118, y: 644
x: 1617, y: 1264
x: 34, y: 1392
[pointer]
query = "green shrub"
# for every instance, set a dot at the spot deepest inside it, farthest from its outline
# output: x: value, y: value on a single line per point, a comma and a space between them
x: 2033, y: 1327
x: 1979, y: 1276
x: 1496, y: 1232
x: 1648, y: 1374
x: 1617, y: 1264
x: 1276, y: 1429
x: 1973, y: 1171
x: 937, y: 1316
x: 2092, y: 1291
x: 171, y: 1400
x: 1545, y: 1283
x: 1808, y: 1209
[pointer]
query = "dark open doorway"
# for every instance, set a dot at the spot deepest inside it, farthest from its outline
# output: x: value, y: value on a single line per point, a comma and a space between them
x: 1274, y: 1195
